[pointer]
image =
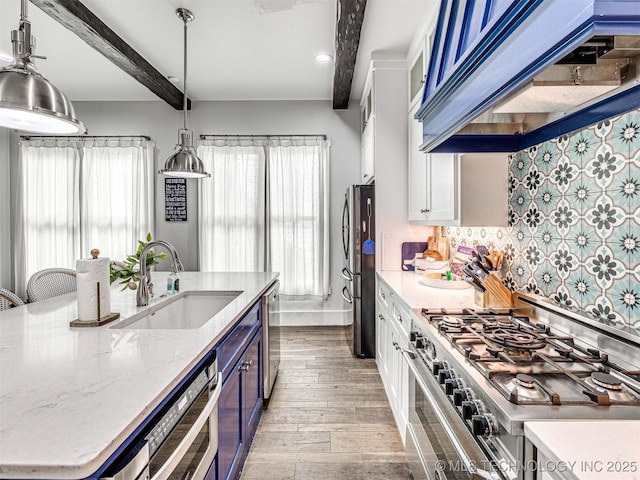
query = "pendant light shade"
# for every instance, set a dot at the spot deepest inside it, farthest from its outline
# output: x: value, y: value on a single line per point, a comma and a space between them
x: 184, y: 162
x: 28, y: 101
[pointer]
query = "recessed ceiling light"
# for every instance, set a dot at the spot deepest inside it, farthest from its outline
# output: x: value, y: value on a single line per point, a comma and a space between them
x: 173, y: 79
x: 323, y: 58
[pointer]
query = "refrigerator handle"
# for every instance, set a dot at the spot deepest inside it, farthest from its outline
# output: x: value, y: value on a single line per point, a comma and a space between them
x: 346, y: 295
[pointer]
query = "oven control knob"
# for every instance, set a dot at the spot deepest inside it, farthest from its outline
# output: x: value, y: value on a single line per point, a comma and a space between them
x: 420, y: 343
x: 483, y: 425
x: 460, y: 395
x: 437, y: 366
x: 451, y: 384
x: 413, y: 336
x: 443, y: 375
x: 469, y: 409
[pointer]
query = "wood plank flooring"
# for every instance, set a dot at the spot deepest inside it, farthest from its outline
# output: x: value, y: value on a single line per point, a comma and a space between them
x: 328, y: 418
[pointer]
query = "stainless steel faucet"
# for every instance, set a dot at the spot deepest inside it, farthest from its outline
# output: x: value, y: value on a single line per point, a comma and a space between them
x: 145, y: 287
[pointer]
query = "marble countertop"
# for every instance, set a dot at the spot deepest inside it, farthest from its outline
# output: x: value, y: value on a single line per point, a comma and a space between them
x: 70, y: 396
x: 588, y: 450
x: 416, y: 295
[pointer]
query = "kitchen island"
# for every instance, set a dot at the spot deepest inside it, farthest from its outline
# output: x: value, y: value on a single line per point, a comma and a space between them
x: 69, y: 397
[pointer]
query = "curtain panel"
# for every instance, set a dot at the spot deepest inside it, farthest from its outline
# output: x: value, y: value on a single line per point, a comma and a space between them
x: 286, y: 229
x: 79, y: 194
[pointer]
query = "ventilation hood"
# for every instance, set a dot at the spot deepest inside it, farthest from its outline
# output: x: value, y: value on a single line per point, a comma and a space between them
x: 506, y: 75
x: 599, y: 69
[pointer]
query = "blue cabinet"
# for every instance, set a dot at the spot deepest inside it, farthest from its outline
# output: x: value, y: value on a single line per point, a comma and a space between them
x: 240, y: 405
x: 485, y: 50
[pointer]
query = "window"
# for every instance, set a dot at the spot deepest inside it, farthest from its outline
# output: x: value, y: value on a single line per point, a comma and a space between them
x: 75, y: 195
x: 266, y: 207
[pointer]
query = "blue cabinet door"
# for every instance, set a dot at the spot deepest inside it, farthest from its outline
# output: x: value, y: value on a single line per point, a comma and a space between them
x: 252, y: 387
x: 229, y: 425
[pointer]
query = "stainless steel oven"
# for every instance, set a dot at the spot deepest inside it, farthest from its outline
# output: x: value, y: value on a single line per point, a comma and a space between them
x: 439, y: 445
x: 182, y: 441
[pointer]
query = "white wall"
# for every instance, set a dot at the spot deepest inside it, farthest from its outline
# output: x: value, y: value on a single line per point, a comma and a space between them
x: 161, y: 123
x: 5, y: 211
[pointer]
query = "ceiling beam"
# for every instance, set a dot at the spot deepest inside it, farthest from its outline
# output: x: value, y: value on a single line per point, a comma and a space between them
x: 77, y: 18
x: 348, y: 26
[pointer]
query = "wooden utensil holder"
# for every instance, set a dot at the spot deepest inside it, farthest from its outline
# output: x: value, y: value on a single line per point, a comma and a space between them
x: 497, y: 295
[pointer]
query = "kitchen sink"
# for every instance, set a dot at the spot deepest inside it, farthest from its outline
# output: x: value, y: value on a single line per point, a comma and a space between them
x: 185, y: 310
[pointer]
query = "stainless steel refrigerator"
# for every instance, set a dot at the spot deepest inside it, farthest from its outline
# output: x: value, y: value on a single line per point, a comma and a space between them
x: 359, y: 272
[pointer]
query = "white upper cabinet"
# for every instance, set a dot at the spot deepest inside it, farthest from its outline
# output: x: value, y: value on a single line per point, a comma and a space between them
x: 368, y: 132
x: 469, y: 190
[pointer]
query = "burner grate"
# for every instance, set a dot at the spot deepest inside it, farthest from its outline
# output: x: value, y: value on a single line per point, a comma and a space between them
x: 503, y: 345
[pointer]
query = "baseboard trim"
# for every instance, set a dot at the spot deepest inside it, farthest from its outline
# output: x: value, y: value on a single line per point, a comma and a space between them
x: 317, y: 318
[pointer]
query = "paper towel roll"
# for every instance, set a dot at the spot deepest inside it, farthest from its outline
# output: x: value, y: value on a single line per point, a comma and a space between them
x: 89, y: 273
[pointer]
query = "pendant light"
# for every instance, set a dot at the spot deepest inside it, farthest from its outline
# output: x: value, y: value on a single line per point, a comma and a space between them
x: 28, y: 101
x: 184, y: 162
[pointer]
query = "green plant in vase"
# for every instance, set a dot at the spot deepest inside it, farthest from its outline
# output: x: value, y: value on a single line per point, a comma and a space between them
x: 128, y: 271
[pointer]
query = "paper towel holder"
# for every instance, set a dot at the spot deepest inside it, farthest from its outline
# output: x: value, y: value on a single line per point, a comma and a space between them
x: 101, y: 320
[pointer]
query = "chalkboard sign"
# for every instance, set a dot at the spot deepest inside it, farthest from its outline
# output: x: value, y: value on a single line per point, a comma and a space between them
x: 175, y: 199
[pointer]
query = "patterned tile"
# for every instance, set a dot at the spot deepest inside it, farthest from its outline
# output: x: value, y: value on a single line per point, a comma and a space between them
x: 548, y: 155
x: 582, y: 146
x: 563, y: 260
x: 564, y: 218
x: 626, y: 133
x: 547, y: 278
x: 605, y: 267
x: 520, y: 167
x: 625, y: 294
x: 582, y: 287
x: 625, y: 243
x: 605, y: 216
x: 564, y: 174
x: 547, y: 239
x: 574, y: 216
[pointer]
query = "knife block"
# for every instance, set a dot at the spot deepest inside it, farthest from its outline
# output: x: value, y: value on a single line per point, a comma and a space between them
x: 496, y: 295
x: 486, y: 300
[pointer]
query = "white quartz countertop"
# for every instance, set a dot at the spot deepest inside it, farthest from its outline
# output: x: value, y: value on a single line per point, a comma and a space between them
x: 588, y: 450
x: 70, y: 396
x: 416, y: 295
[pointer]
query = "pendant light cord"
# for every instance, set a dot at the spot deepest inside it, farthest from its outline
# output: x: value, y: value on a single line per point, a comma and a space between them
x: 184, y: 100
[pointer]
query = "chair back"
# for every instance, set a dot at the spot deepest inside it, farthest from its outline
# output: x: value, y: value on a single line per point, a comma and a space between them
x: 51, y: 283
x: 9, y: 299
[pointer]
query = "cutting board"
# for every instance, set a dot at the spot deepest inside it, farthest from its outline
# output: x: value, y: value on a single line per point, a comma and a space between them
x: 409, y: 250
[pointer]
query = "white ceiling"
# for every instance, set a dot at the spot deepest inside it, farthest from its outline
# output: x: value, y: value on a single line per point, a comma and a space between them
x: 238, y: 49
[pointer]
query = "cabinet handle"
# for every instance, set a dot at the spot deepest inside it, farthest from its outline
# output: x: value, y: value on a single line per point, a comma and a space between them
x: 400, y: 318
x: 383, y: 295
x: 245, y: 366
x: 381, y: 317
x: 396, y: 346
x: 424, y: 210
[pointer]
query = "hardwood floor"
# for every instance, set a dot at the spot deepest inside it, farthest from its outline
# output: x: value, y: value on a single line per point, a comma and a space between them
x: 328, y: 418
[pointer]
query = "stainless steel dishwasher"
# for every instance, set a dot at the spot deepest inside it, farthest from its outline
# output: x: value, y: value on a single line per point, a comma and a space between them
x: 271, y: 337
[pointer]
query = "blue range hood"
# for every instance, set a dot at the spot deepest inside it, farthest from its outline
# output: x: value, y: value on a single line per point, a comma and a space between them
x: 486, y: 50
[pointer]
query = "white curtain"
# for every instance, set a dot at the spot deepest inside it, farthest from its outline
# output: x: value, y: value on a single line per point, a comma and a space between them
x: 47, y: 208
x: 75, y: 195
x: 117, y: 195
x: 266, y: 207
x: 231, y: 206
x: 298, y: 215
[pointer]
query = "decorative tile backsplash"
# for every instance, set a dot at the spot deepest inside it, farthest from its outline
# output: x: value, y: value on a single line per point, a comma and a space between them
x: 574, y: 216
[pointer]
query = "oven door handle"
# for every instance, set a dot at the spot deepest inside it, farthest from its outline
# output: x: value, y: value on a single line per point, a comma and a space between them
x: 164, y: 472
x: 442, y: 419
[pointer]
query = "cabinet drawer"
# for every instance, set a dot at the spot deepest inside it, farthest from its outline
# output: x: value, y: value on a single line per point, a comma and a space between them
x: 385, y: 297
x: 235, y: 342
x: 402, y: 318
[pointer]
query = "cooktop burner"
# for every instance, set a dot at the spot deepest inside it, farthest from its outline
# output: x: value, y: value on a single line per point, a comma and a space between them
x: 529, y: 364
x: 514, y: 338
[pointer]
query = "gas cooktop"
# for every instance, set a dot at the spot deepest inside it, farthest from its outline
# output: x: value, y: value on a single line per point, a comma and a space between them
x: 529, y: 363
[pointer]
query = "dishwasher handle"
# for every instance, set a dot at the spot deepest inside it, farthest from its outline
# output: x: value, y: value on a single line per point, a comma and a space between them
x: 164, y: 472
